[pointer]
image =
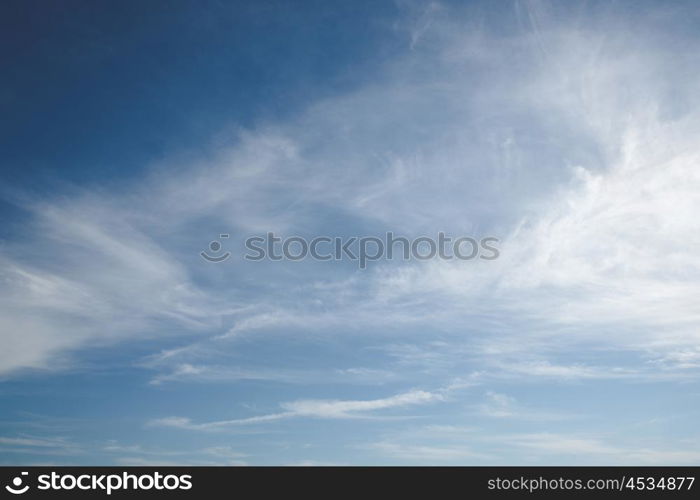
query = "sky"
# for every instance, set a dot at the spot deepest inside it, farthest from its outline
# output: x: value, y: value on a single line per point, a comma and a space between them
x: 133, y: 134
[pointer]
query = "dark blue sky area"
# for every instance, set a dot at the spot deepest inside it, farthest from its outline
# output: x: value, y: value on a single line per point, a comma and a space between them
x: 95, y: 90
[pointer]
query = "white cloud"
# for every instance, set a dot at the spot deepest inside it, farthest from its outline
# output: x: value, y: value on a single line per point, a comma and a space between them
x: 502, y: 406
x: 349, y: 409
x: 334, y: 409
x: 585, y: 449
x: 498, y: 405
x: 426, y: 454
x: 33, y: 442
x: 33, y: 445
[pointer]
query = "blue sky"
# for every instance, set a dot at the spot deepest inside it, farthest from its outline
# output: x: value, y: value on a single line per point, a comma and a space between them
x: 134, y: 134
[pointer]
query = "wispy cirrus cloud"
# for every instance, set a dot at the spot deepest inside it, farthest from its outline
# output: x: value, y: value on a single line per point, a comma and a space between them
x: 332, y: 409
x: 597, y: 450
x: 40, y: 445
x: 592, y: 188
x: 572, y: 136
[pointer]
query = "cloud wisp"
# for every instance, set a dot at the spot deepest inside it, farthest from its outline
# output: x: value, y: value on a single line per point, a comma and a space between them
x: 324, y: 409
